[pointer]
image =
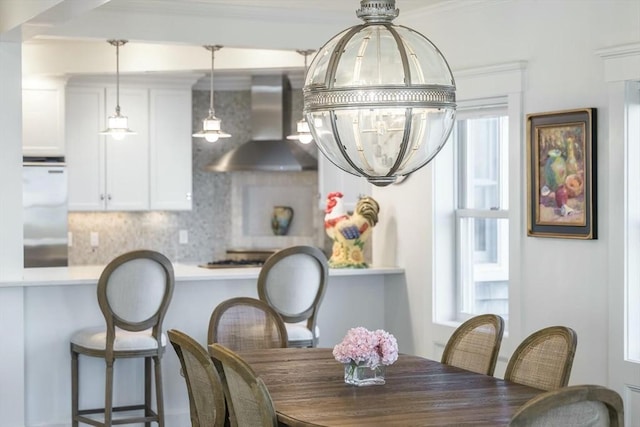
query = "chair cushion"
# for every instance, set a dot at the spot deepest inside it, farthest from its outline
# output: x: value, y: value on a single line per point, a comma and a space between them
x: 299, y: 331
x: 95, y: 338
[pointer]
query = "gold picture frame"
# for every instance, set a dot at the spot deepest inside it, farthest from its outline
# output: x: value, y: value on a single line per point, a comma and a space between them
x: 561, y: 176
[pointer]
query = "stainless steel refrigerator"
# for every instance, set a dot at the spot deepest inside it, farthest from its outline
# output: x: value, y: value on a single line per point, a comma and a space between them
x: 44, y: 182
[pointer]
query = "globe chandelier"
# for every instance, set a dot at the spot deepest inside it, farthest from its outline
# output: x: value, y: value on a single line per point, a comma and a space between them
x: 303, y: 134
x: 117, y: 125
x: 379, y: 98
x: 211, y: 125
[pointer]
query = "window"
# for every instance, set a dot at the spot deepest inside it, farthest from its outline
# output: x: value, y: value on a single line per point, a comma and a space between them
x: 632, y: 227
x: 478, y: 200
x: 481, y: 212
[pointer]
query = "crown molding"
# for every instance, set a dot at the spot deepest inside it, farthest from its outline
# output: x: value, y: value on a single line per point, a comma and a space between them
x: 177, y: 80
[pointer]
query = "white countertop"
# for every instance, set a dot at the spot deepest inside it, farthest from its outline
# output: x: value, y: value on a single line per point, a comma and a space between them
x: 89, y: 274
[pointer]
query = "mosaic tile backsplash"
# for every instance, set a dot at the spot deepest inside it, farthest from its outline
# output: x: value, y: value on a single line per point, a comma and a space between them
x: 221, y: 210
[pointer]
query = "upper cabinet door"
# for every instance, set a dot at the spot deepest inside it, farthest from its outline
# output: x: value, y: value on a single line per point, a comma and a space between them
x: 170, y: 149
x: 85, y: 118
x: 43, y: 117
x: 150, y: 170
x: 127, y: 160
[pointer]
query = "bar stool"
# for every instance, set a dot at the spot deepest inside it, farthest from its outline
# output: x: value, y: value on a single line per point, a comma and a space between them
x: 293, y: 281
x: 134, y: 292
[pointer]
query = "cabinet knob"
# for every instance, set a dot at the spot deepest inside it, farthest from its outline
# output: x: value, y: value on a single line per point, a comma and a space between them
x: 188, y: 196
x: 102, y: 197
x: 109, y: 197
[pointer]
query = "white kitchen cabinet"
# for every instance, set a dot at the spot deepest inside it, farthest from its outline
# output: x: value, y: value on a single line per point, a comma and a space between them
x: 147, y: 171
x: 170, y: 151
x: 43, y: 130
x: 127, y: 161
x: 105, y: 174
x: 85, y: 148
x: 331, y: 178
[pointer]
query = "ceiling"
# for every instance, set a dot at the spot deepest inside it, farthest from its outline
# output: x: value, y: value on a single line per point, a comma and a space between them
x: 247, y: 7
x: 138, y: 18
x: 70, y: 36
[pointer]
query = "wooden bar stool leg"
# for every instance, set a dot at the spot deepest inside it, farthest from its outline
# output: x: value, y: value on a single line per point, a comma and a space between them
x: 108, y: 395
x: 159, y: 394
x: 74, y: 388
x: 147, y: 389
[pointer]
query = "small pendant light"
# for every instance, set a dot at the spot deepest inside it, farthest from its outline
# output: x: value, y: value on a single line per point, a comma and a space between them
x: 302, y: 127
x: 211, y: 129
x: 117, y: 125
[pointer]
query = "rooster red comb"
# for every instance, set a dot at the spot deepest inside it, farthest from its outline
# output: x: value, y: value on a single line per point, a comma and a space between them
x: 331, y: 200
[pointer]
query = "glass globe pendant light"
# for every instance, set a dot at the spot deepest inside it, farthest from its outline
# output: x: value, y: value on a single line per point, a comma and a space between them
x: 211, y: 125
x: 379, y: 98
x: 303, y: 134
x: 117, y: 125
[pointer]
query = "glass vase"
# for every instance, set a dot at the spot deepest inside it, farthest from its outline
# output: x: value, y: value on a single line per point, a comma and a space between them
x: 362, y: 375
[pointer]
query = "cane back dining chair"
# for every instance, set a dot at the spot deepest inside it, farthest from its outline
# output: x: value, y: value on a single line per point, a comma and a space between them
x: 246, y: 393
x: 293, y: 282
x: 544, y: 359
x: 134, y: 291
x: 204, y: 387
x: 246, y: 323
x: 573, y: 406
x: 475, y: 344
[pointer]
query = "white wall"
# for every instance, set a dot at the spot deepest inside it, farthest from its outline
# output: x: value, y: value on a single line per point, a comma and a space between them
x: 562, y: 281
x: 11, y: 258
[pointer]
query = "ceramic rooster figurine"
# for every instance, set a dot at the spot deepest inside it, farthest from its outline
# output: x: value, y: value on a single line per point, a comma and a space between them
x: 349, y: 231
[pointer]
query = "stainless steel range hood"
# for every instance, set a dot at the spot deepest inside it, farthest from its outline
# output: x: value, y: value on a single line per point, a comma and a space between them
x: 269, y: 150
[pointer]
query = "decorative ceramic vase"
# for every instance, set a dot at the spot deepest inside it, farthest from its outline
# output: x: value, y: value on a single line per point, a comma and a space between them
x: 281, y: 220
x: 362, y: 375
x: 555, y: 169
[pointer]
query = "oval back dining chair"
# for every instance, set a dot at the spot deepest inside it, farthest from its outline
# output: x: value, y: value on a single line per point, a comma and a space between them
x: 574, y: 406
x: 475, y: 344
x: 134, y: 291
x: 293, y: 282
x: 544, y: 359
x: 245, y: 323
x: 247, y: 394
x: 206, y: 393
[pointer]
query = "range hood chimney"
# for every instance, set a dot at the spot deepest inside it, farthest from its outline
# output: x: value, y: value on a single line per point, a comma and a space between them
x: 269, y: 150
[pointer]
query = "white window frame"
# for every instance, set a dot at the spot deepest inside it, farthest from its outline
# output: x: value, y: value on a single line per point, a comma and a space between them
x: 502, y: 83
x: 489, y: 271
x: 622, y: 183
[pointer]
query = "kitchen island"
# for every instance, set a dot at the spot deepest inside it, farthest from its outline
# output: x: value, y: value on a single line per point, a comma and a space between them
x: 39, y: 313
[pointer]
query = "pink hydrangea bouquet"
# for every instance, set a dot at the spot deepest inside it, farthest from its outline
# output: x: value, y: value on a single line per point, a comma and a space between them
x: 369, y: 348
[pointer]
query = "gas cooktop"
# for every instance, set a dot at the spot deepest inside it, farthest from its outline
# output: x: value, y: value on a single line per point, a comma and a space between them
x: 238, y: 258
x: 233, y: 263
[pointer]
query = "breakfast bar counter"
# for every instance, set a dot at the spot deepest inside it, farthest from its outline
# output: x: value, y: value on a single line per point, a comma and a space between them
x: 40, y: 312
x: 89, y: 274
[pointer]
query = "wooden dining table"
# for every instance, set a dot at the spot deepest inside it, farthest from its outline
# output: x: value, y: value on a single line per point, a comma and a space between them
x: 308, y: 389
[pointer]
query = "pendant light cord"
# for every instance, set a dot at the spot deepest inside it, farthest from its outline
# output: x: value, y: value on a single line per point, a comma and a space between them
x: 117, y: 44
x: 117, y: 79
x: 213, y: 49
x: 305, y: 53
x: 211, y: 110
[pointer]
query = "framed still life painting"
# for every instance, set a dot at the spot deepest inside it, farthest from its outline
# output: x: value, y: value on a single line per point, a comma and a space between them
x: 561, y: 176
